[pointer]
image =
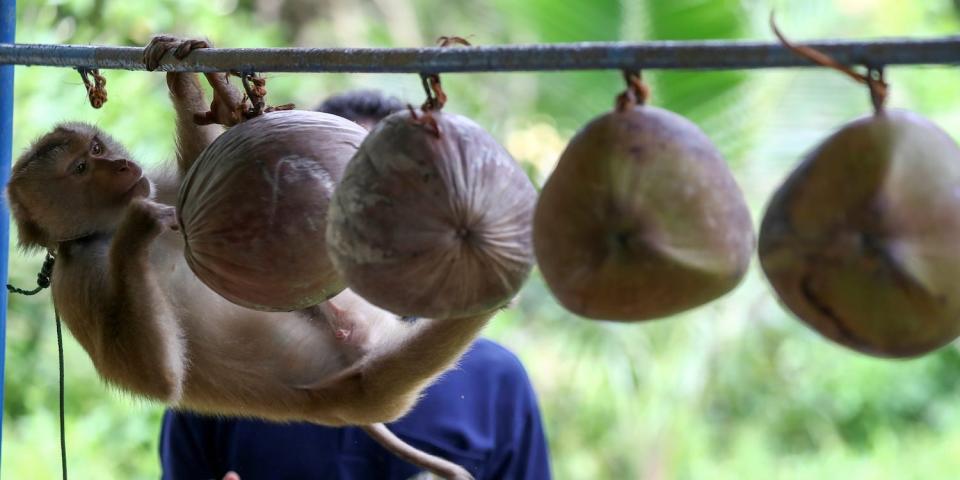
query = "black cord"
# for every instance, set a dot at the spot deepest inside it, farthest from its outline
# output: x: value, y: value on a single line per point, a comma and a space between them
x: 43, y: 278
x: 63, y: 428
x: 43, y: 281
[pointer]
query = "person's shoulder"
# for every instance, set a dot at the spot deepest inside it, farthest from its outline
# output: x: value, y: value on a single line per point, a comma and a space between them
x: 488, y: 356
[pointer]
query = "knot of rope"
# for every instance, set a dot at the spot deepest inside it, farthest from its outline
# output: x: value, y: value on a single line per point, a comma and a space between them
x: 255, y: 90
x: 97, y: 88
x: 874, y: 78
x: 436, y: 97
x: 43, y: 278
x: 636, y: 93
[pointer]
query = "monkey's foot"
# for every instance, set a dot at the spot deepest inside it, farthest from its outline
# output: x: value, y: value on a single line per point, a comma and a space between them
x: 160, y: 45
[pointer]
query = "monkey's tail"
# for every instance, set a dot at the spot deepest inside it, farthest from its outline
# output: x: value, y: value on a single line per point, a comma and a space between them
x: 432, y: 463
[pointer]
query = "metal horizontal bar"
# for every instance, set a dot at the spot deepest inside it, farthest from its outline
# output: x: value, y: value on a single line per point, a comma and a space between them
x: 563, y: 56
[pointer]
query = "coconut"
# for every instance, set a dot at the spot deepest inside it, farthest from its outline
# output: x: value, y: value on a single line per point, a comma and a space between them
x: 432, y: 218
x: 860, y: 242
x: 641, y: 219
x: 253, y: 209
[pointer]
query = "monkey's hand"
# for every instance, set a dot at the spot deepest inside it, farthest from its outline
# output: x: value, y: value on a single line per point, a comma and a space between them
x: 187, y: 96
x: 160, y: 45
x: 143, y: 221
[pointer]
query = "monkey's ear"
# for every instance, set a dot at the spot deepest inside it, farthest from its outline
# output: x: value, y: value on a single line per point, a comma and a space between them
x: 30, y: 236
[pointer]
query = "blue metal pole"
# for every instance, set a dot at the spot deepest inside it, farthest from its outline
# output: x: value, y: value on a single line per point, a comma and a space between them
x: 705, y: 54
x: 8, y: 10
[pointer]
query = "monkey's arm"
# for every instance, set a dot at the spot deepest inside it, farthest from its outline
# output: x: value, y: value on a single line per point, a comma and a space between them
x: 187, y: 97
x: 139, y: 344
x: 189, y: 102
x: 383, y: 385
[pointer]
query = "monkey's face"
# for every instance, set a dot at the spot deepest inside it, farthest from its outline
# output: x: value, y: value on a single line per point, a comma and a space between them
x: 73, y: 182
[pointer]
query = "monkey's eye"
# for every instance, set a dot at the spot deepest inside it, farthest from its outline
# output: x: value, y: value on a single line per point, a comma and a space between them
x: 80, y: 168
x: 96, y: 148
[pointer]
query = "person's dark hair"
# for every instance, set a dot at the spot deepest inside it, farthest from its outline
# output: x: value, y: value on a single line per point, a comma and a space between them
x: 361, y: 106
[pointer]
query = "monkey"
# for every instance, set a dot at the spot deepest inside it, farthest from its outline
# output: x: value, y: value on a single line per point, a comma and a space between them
x: 152, y: 328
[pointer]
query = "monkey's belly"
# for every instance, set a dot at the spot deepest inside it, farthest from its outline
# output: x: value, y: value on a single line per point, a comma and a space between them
x: 244, y: 361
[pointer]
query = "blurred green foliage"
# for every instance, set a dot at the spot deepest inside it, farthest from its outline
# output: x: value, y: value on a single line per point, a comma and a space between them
x: 736, y: 389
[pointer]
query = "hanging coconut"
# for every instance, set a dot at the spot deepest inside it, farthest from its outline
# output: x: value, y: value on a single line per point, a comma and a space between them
x: 860, y: 241
x: 641, y: 217
x: 253, y: 209
x: 432, y: 218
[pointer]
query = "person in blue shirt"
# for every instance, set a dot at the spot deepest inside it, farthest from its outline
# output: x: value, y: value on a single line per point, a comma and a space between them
x: 482, y: 414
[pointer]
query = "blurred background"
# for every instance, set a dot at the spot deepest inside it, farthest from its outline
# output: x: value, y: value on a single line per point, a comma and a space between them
x: 736, y: 389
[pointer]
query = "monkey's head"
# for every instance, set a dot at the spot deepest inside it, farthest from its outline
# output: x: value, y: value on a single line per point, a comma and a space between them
x: 72, y: 182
